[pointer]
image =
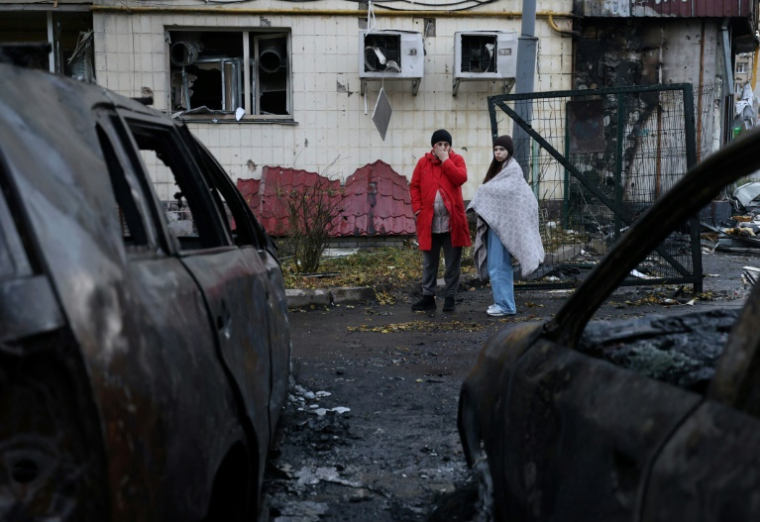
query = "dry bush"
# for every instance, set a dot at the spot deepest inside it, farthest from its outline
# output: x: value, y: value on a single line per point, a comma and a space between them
x: 313, y: 212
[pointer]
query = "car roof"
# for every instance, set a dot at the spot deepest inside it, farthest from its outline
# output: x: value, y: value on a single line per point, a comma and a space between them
x: 51, y: 159
x: 19, y: 86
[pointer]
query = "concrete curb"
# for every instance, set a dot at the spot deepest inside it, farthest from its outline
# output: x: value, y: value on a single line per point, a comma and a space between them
x: 299, y: 297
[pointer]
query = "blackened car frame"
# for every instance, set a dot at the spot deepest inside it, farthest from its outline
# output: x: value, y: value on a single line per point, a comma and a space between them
x: 144, y: 346
x: 654, y: 419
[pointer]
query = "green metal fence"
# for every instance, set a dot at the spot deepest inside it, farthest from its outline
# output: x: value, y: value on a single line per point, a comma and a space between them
x: 596, y: 160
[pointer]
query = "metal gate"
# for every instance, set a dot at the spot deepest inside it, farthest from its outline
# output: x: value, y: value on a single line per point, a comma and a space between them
x: 596, y: 160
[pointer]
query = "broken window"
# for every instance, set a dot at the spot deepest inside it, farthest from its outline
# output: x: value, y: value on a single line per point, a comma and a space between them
x: 478, y: 53
x: 209, y: 71
x: 68, y: 33
x: 382, y: 52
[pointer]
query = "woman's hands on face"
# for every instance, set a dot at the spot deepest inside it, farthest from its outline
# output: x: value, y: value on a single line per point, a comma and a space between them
x: 441, y: 150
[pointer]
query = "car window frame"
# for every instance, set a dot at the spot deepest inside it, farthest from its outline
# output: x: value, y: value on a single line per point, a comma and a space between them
x: 107, y: 120
x: 211, y: 221
x: 218, y: 178
x: 11, y: 234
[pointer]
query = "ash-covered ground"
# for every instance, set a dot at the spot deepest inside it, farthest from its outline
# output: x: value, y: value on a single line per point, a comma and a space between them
x: 369, y: 432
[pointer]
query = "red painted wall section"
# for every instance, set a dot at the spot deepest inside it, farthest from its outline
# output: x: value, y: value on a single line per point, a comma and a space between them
x: 376, y: 200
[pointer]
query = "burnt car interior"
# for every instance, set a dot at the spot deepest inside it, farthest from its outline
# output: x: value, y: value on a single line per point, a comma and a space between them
x: 682, y: 351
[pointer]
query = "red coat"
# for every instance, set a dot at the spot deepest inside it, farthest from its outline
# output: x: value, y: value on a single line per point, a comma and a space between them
x: 430, y: 176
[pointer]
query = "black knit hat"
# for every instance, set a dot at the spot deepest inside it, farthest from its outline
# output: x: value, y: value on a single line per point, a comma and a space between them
x: 441, y: 135
x: 506, y: 142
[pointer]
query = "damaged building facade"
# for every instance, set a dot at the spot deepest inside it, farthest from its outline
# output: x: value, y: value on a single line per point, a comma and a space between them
x: 306, y: 83
x: 621, y: 43
x: 271, y: 83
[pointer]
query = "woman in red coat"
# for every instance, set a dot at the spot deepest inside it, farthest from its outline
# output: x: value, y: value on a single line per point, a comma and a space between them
x: 436, y: 192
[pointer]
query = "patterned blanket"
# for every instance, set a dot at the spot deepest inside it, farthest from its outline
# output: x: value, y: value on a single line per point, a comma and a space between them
x: 507, y: 205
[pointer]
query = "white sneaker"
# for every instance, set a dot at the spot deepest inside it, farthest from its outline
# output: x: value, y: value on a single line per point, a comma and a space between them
x: 493, y: 308
x: 497, y: 312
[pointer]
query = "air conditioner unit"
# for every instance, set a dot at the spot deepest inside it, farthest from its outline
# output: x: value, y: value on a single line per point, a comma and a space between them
x: 391, y: 55
x: 484, y: 55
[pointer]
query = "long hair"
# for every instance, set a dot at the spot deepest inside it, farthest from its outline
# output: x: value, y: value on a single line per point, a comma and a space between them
x: 495, y: 168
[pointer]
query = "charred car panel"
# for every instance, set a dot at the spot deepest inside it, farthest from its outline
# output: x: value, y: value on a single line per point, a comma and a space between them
x: 149, y: 419
x: 650, y: 419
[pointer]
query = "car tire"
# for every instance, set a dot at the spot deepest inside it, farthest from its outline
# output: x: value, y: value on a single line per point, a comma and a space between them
x: 231, y: 498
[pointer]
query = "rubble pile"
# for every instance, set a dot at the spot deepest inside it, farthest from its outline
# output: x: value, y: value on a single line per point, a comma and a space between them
x: 740, y: 230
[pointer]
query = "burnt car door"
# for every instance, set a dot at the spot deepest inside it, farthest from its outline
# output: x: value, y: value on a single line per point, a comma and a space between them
x: 50, y: 458
x: 169, y: 414
x: 571, y: 436
x: 234, y: 283
x: 702, y: 457
x: 710, y: 468
x: 252, y: 239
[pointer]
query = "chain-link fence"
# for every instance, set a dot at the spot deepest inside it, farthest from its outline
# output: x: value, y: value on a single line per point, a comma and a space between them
x: 597, y: 159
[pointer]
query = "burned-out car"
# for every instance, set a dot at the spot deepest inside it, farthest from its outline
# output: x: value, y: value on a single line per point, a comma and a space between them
x: 654, y: 419
x: 145, y: 348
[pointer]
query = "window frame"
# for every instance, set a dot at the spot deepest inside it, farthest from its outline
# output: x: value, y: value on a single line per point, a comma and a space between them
x: 253, y: 233
x: 212, y: 232
x: 250, y: 76
x: 138, y: 207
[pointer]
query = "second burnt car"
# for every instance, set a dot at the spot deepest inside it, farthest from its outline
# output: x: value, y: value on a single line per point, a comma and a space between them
x: 144, y: 346
x: 655, y: 419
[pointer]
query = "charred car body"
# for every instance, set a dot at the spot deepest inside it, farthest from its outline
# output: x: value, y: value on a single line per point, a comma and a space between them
x: 144, y: 356
x: 650, y: 420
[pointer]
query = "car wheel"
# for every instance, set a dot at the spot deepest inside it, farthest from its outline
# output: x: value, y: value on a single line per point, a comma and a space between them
x: 231, y: 494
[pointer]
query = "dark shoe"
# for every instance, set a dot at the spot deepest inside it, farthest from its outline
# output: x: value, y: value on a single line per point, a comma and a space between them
x: 426, y: 303
x: 448, y: 304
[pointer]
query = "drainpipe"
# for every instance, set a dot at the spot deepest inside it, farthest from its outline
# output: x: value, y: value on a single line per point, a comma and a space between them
x: 727, y: 56
x: 51, y: 41
x: 717, y: 128
x: 526, y: 62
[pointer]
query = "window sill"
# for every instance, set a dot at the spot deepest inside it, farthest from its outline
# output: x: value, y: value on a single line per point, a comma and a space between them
x: 244, y: 121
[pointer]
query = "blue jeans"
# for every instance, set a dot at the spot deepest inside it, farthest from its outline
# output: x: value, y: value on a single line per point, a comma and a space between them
x: 500, y: 271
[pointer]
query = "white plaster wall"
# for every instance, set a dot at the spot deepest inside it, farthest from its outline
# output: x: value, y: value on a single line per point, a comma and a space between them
x: 682, y: 50
x: 333, y: 134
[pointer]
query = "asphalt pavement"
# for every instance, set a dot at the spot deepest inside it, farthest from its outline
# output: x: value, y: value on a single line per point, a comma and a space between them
x: 369, y: 431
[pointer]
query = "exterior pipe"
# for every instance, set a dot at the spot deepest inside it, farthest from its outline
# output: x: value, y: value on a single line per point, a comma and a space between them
x: 700, y: 91
x: 556, y: 28
x: 320, y: 12
x: 524, y: 83
x: 727, y: 58
x: 51, y: 41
